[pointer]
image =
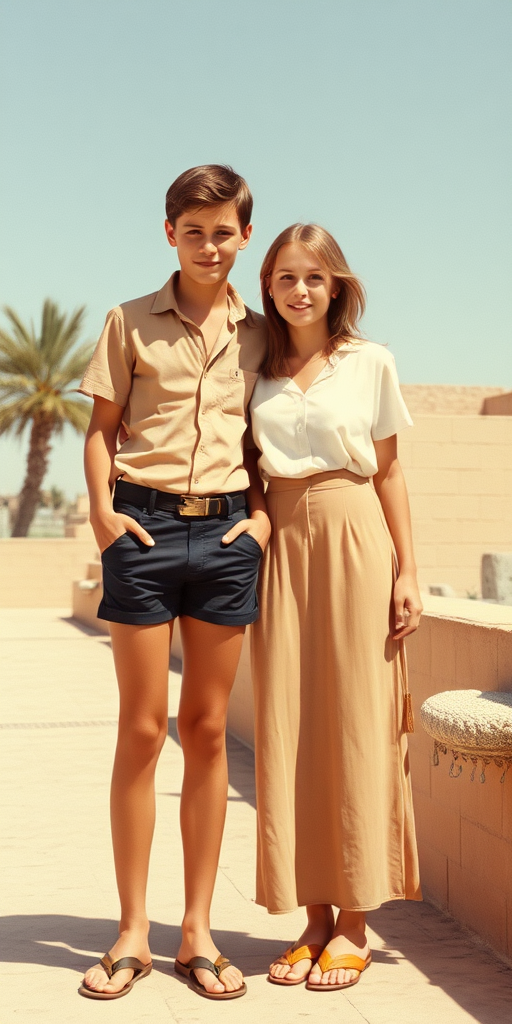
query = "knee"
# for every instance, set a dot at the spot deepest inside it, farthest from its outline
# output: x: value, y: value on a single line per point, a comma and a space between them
x: 144, y: 736
x: 204, y: 735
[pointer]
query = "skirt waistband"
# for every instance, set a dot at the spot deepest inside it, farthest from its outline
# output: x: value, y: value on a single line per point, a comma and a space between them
x: 334, y: 477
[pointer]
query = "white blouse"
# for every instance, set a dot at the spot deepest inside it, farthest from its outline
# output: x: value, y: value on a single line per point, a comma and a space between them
x: 354, y: 400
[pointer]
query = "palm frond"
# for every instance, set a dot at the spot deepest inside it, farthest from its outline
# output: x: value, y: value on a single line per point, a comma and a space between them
x: 77, y: 414
x: 21, y: 333
x: 16, y: 358
x: 16, y: 384
x: 73, y: 369
x: 59, y: 334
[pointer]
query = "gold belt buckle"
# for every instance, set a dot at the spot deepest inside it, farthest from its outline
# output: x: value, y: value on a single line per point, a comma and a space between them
x: 194, y: 506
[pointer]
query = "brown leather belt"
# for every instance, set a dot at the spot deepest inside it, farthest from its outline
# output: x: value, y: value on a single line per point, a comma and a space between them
x: 150, y: 499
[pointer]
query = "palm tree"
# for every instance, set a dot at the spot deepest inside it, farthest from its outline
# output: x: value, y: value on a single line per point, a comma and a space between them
x: 37, y: 375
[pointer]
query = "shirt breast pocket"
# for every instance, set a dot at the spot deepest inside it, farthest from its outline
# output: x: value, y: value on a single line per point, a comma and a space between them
x: 238, y: 387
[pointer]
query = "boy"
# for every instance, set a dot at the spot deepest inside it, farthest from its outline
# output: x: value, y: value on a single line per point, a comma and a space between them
x: 174, y: 372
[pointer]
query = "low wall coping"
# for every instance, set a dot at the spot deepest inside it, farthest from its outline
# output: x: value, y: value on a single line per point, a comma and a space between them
x: 464, y: 610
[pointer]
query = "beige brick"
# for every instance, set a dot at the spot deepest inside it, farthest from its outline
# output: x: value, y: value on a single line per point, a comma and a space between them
x: 457, y: 506
x: 487, y: 532
x: 479, y: 429
x: 504, y: 674
x: 481, y: 481
x: 443, y: 647
x: 425, y: 554
x: 443, y: 789
x: 434, y: 874
x: 491, y: 456
x: 404, y: 453
x: 457, y: 456
x: 476, y: 657
x: 480, y: 802
x: 438, y: 826
x: 430, y: 481
x: 495, y: 506
x: 418, y: 649
x: 506, y: 825
x: 478, y: 904
x: 431, y: 428
x: 427, y: 456
x: 437, y: 531
x: 486, y: 856
x: 450, y: 554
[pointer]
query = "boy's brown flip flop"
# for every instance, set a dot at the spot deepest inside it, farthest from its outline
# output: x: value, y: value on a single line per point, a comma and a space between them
x: 188, y: 971
x: 111, y: 967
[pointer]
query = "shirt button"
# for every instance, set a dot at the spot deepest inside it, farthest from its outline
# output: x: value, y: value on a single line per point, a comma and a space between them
x: 299, y: 427
x: 196, y: 481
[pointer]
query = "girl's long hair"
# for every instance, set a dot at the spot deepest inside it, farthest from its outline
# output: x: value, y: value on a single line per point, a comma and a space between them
x: 344, y: 311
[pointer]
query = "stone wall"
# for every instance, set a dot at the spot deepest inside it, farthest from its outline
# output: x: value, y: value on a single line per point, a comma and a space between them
x: 447, y: 399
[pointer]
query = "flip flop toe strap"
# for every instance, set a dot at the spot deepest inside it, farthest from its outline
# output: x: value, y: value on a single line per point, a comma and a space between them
x: 124, y: 963
x: 220, y: 964
x: 202, y: 962
x: 310, y: 952
x: 347, y: 962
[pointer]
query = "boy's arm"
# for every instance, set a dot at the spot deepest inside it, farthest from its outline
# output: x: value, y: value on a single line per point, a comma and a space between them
x: 391, y: 490
x: 99, y: 453
x: 259, y: 523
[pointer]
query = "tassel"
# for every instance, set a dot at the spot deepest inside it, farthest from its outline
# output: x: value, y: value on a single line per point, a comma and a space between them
x: 408, y: 717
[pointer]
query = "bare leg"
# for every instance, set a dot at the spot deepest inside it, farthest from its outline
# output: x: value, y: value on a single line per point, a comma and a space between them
x: 141, y: 656
x: 348, y: 937
x: 210, y: 659
x: 318, y: 930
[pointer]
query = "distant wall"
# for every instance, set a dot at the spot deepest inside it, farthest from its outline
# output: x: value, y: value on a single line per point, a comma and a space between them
x: 447, y: 399
x: 38, y: 573
x: 459, y: 475
x: 498, y: 405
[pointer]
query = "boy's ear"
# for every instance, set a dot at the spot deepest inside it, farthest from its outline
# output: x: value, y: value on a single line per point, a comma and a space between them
x: 246, y: 234
x: 171, y: 237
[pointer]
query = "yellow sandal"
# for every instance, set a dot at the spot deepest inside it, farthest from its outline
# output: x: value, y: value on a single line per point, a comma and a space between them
x: 292, y: 956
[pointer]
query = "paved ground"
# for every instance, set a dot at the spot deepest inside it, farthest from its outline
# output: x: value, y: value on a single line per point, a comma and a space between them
x: 60, y: 900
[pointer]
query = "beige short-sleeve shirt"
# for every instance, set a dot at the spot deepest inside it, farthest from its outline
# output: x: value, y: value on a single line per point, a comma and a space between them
x: 185, y: 412
x: 354, y: 401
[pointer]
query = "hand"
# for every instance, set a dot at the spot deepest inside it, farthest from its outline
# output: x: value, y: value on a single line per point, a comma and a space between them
x: 408, y: 606
x: 108, y: 528
x: 258, y: 526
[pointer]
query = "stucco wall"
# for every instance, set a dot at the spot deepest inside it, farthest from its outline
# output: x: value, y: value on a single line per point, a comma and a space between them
x: 38, y: 573
x: 459, y: 475
x: 464, y: 828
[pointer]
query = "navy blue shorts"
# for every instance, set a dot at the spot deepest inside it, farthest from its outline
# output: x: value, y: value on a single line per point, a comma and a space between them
x: 188, y: 571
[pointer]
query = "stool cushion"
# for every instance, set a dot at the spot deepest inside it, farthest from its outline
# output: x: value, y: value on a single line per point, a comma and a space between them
x: 474, y: 722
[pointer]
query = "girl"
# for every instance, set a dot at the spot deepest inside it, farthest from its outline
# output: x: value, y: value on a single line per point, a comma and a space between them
x: 338, y: 596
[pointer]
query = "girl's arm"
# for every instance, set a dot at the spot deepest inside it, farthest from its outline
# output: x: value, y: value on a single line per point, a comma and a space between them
x: 391, y: 490
x: 259, y: 523
x: 100, y: 449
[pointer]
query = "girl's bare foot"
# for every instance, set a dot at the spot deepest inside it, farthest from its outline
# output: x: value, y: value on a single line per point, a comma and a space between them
x: 132, y: 942
x: 318, y: 931
x: 198, y: 942
x: 349, y: 938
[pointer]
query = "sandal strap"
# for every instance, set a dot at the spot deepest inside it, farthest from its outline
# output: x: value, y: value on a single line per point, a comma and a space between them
x: 348, y: 961
x: 202, y: 961
x: 221, y: 963
x: 309, y: 952
x: 106, y: 962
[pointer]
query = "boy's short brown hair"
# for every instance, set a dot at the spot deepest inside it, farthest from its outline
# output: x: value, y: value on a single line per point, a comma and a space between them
x: 209, y: 185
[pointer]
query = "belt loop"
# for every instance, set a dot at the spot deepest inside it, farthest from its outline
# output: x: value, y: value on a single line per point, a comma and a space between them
x: 229, y: 502
x: 152, y: 502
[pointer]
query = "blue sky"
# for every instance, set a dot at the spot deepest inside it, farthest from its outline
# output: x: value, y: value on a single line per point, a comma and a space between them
x: 388, y: 121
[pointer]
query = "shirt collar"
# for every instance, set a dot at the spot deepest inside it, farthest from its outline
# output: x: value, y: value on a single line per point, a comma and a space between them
x: 166, y: 300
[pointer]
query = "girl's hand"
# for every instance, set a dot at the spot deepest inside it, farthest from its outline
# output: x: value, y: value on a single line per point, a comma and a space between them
x: 109, y: 527
x: 258, y: 527
x: 408, y: 606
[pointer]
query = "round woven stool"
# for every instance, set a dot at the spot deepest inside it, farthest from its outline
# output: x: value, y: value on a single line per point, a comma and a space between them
x: 474, y: 725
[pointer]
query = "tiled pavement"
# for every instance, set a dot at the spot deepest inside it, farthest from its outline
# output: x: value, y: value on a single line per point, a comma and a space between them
x: 59, y: 897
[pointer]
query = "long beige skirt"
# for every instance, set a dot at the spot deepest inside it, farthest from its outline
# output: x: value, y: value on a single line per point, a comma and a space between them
x: 335, y: 814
